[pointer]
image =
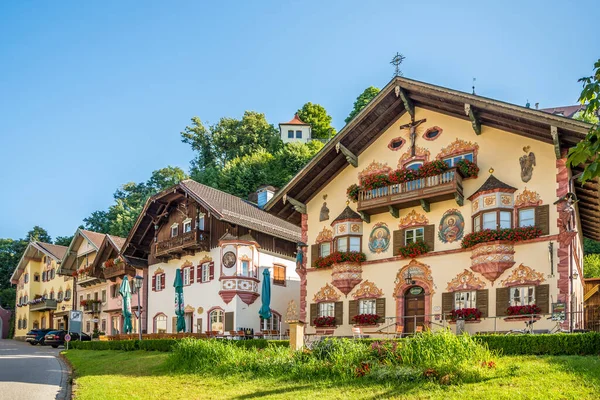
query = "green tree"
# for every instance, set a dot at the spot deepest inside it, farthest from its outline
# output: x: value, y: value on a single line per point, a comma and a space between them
x: 591, y: 266
x: 586, y: 152
x: 291, y: 158
x: 38, y: 234
x: 591, y: 246
x: 361, y: 101
x: 320, y: 121
x: 7, y: 298
x: 243, y: 175
x: 63, y: 240
x: 10, y: 253
x: 200, y: 139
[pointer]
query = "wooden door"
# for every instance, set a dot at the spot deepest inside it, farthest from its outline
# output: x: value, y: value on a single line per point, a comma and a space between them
x: 414, y: 305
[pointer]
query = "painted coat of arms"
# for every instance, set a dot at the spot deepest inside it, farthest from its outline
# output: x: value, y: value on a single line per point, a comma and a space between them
x: 452, y: 226
x: 379, y: 240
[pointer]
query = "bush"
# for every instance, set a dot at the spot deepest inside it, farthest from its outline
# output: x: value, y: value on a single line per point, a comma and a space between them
x: 545, y: 344
x: 166, y: 344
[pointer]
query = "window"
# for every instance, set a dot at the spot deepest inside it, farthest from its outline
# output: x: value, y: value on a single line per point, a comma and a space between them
x: 51, y: 295
x: 186, y: 276
x: 36, y: 278
x: 104, y: 296
x: 326, y: 309
x: 160, y: 323
x: 354, y: 243
x: 505, y: 220
x: 414, y: 165
x: 432, y: 133
x: 367, y: 306
x: 201, y: 222
x: 116, y: 324
x: 68, y: 294
x: 174, y: 230
x: 95, y: 295
x: 452, y: 161
x: 205, y: 272
x: 159, y: 284
x: 26, y: 279
x: 52, y: 273
x: 245, y: 268
x: 526, y: 217
x: 80, y: 299
x: 396, y: 144
x: 477, y: 223
x: 44, y: 276
x: 187, y: 225
x: 342, y: 244
x: 464, y: 300
x: 60, y: 296
x: 216, y: 320
x: 414, y: 235
x: 103, y: 329
x: 348, y: 243
x: 114, y: 290
x: 279, y: 275
x: 298, y: 134
x: 324, y: 249
x: 26, y: 299
x: 43, y: 322
x: 522, y: 295
x: 271, y: 324
x: 290, y: 134
x: 489, y: 220
x: 494, y: 220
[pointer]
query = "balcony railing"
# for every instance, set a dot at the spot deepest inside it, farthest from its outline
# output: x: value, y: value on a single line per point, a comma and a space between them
x: 44, y: 305
x: 92, y: 307
x: 118, y: 271
x: 193, y: 240
x: 87, y: 279
x: 423, y: 191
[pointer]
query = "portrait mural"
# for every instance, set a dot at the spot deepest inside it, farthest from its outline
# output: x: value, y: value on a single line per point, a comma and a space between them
x: 452, y: 226
x: 379, y: 240
x: 527, y: 163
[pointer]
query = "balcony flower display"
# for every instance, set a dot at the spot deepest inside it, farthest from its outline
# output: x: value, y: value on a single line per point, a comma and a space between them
x: 414, y: 249
x: 366, y: 319
x: 467, y: 314
x: 324, y: 321
x: 468, y: 169
x: 523, y: 310
x: 352, y: 192
x: 509, y: 234
x: 339, y: 257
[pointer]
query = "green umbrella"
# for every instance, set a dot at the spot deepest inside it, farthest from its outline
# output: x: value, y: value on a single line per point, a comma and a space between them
x: 125, y: 292
x: 265, y: 310
x: 179, y: 311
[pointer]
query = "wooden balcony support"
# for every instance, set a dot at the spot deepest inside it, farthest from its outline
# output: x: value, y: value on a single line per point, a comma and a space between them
x: 350, y: 157
x: 472, y: 114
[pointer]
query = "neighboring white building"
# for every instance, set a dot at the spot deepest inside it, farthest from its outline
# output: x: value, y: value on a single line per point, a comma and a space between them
x: 295, y: 131
x: 222, y: 245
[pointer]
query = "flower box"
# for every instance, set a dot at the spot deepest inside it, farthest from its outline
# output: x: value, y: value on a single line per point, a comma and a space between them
x: 517, y: 318
x: 324, y: 322
x: 366, y: 319
x: 466, y: 314
x: 468, y: 169
x: 338, y: 258
x: 491, y: 235
x: 414, y: 249
x: 528, y: 310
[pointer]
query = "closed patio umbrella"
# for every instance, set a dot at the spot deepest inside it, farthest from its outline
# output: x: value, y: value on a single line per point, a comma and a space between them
x: 125, y: 292
x: 179, y: 308
x: 265, y: 309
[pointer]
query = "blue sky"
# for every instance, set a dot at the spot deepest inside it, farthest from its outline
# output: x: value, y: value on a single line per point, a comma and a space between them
x: 94, y: 94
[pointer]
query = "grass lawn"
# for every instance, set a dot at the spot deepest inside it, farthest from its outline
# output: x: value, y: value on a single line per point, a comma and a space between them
x: 141, y: 375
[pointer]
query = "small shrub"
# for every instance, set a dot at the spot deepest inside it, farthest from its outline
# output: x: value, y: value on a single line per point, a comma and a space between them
x: 544, y: 344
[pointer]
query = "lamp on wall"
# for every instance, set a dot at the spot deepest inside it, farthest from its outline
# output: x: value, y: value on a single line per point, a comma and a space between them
x: 551, y: 257
x: 138, y: 283
x: 409, y: 280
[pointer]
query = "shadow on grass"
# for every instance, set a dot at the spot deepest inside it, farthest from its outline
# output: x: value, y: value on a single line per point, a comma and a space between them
x: 586, y: 367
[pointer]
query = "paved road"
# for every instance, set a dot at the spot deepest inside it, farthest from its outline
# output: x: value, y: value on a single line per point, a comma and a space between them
x: 31, y: 372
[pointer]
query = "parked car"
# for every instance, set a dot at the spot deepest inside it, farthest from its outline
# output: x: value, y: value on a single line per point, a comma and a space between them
x: 36, y: 336
x: 57, y: 338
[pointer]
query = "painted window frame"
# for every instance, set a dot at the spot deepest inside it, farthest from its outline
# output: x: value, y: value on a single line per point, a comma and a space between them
x: 367, y: 306
x: 205, y: 272
x: 523, y: 298
x: 298, y: 134
x: 175, y: 229
x: 326, y: 309
x: 158, y: 283
x: 410, y: 164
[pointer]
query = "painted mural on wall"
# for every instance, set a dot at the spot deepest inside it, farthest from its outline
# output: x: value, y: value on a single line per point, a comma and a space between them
x: 379, y: 240
x: 452, y: 226
x: 324, y: 214
x: 527, y: 162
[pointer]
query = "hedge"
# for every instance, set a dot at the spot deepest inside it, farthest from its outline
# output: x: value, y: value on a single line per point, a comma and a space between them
x: 545, y: 344
x: 165, y: 344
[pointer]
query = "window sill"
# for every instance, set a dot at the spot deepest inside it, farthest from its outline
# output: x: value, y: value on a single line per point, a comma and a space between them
x: 517, y: 318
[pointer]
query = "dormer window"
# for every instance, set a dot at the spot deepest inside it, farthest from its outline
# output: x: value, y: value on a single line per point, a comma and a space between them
x: 174, y: 230
x: 187, y: 225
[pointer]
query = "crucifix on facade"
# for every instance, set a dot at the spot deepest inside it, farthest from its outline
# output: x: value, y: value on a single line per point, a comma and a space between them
x: 412, y: 127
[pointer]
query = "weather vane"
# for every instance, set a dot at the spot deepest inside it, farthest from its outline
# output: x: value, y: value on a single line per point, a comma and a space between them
x: 396, y: 61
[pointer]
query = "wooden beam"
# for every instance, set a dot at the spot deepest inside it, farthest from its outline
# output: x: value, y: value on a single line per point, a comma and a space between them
x: 475, y: 122
x: 460, y: 200
x: 350, y: 157
x: 365, y: 217
x: 298, y: 206
x: 394, y: 211
x: 556, y: 141
x: 408, y: 104
x: 425, y: 204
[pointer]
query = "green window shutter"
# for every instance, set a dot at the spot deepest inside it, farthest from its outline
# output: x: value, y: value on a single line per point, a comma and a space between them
x: 447, y: 303
x: 482, y: 302
x: 229, y: 321
x: 542, y: 218
x: 542, y: 298
x: 352, y: 310
x: 314, y: 313
x: 429, y: 236
x: 502, y: 301
x: 398, y: 241
x: 314, y: 254
x: 380, y: 307
x: 339, y: 313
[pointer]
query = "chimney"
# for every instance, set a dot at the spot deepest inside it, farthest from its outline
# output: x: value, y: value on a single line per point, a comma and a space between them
x: 264, y: 194
x: 537, y: 106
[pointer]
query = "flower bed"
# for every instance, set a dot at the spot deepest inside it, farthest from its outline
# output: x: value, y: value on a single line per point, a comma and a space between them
x: 468, y: 169
x: 339, y: 257
x: 366, y: 319
x: 323, y: 322
x: 375, y: 181
x: 523, y: 310
x: 467, y: 314
x: 509, y: 234
x: 414, y: 249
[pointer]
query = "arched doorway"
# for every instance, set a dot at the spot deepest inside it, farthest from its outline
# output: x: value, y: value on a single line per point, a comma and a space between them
x: 414, y: 308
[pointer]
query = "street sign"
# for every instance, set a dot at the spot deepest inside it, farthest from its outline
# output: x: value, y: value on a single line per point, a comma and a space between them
x: 67, y: 338
x: 75, y: 320
x: 137, y: 314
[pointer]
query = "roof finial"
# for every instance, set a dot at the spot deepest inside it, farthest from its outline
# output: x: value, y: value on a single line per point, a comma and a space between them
x: 474, y: 79
x: 491, y: 170
x: 396, y: 61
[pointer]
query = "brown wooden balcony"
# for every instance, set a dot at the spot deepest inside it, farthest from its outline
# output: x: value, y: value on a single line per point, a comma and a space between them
x: 43, y: 305
x: 423, y: 191
x: 88, y: 279
x: 112, y: 273
x: 193, y: 240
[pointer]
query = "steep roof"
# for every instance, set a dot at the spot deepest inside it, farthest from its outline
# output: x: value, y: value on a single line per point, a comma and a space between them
x: 493, y: 183
x: 94, y: 237
x: 402, y: 93
x: 118, y: 241
x: 68, y: 262
x: 294, y: 121
x: 348, y: 214
x: 54, y: 251
x: 565, y: 111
